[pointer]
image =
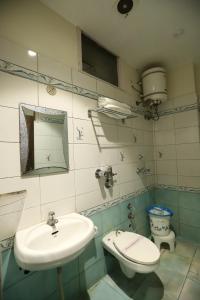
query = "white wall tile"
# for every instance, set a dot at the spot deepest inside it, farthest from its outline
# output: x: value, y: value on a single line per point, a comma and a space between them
x: 57, y: 192
x: 149, y: 180
x: 106, y: 134
x: 31, y: 185
x: 9, y: 160
x: 57, y: 187
x: 128, y: 154
x: 167, y: 179
x: 128, y: 172
x: 186, y: 99
x: 16, y: 54
x: 11, y: 203
x: 105, y: 89
x: 71, y: 156
x: 164, y: 123
x: 189, y: 167
x: 61, y: 101
x: 126, y: 135
x: 9, y: 224
x: 138, y: 137
x: 189, y: 181
x: 86, y: 156
x: 141, y: 123
x: 81, y: 105
x: 29, y: 217
x: 150, y: 165
x: 84, y: 132
x: 127, y: 188
x: 181, y: 80
x: 60, y: 207
x: 187, y: 119
x: 15, y: 90
x: 70, y: 127
x: 188, y: 151
x: 167, y: 167
x: 147, y: 152
x: 85, y: 181
x: 148, y: 137
x: 54, y: 68
x: 187, y: 135
x: 9, y: 124
x: 88, y: 200
x: 165, y: 137
x: 84, y: 80
x: 109, y: 156
x: 122, y: 96
x: 165, y: 152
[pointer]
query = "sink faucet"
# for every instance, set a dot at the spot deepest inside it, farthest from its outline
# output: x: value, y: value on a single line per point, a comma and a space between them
x: 51, y: 219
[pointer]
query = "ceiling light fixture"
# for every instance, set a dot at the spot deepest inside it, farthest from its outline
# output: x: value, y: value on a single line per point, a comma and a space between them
x: 124, y: 6
x: 32, y: 53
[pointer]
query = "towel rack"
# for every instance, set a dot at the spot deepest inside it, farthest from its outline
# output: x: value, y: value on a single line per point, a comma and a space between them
x: 111, y: 112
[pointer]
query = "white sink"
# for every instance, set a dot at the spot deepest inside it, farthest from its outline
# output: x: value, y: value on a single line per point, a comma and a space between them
x: 36, y: 248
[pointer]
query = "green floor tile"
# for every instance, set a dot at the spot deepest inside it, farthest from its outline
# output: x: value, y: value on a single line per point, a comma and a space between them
x: 191, y: 290
x: 104, y: 290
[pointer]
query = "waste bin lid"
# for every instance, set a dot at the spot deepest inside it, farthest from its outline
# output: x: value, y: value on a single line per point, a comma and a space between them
x: 158, y: 210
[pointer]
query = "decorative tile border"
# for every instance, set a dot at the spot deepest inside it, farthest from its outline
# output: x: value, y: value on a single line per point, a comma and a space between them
x: 178, y: 109
x: 177, y: 188
x: 114, y: 202
x: 6, y: 244
x: 16, y: 70
x: 10, y: 68
x: 13, y: 69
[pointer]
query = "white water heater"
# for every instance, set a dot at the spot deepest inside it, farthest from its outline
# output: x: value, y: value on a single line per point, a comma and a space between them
x: 154, y: 85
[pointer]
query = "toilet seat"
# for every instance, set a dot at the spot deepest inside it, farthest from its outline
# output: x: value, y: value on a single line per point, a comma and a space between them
x: 137, y: 248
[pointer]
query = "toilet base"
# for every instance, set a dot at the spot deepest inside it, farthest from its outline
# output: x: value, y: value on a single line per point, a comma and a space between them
x: 168, y: 239
x: 127, y: 271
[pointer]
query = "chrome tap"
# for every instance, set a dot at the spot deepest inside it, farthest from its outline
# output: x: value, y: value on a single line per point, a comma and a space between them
x: 143, y: 171
x: 109, y: 177
x: 108, y: 174
x: 51, y: 221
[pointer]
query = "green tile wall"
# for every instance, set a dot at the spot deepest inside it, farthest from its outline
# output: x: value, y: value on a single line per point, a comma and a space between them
x: 88, y: 268
x: 186, y: 207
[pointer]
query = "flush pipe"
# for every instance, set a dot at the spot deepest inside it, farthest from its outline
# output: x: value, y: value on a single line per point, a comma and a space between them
x: 60, y: 284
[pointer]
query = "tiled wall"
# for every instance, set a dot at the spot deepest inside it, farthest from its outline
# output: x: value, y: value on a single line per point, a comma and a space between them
x: 83, y: 272
x: 186, y: 208
x: 176, y: 135
x: 177, y: 153
x: 177, y: 149
x: 104, y: 142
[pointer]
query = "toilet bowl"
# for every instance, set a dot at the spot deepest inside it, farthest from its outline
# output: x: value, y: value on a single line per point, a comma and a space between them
x: 135, y: 253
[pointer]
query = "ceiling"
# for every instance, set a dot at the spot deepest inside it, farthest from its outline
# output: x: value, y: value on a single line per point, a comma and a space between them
x: 165, y: 32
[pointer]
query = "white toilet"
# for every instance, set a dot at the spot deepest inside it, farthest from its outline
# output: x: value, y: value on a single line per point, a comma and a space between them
x: 135, y: 253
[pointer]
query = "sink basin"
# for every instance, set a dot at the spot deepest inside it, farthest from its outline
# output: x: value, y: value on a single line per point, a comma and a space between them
x: 39, y: 247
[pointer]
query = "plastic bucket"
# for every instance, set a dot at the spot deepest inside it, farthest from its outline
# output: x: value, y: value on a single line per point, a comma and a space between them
x: 160, y: 220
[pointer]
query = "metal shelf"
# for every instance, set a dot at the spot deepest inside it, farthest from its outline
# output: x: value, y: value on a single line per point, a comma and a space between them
x: 111, y: 112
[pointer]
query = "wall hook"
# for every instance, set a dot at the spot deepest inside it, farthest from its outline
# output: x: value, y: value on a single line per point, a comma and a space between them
x: 80, y: 134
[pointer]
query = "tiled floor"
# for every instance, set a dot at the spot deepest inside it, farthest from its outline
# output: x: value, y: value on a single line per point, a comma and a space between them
x: 177, y: 277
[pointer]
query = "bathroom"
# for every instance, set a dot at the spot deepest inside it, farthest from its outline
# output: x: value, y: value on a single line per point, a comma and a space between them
x: 154, y: 155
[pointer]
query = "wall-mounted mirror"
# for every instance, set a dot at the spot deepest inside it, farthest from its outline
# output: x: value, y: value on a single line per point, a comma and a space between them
x: 43, y: 140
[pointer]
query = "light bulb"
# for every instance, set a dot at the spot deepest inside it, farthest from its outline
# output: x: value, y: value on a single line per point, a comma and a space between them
x: 32, y: 53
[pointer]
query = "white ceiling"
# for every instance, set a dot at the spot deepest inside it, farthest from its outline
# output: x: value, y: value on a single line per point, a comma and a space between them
x: 146, y: 36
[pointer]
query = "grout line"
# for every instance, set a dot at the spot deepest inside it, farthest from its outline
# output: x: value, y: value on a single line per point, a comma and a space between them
x: 186, y: 277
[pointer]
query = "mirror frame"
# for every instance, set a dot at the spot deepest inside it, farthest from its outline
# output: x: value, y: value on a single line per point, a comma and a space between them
x: 24, y: 148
